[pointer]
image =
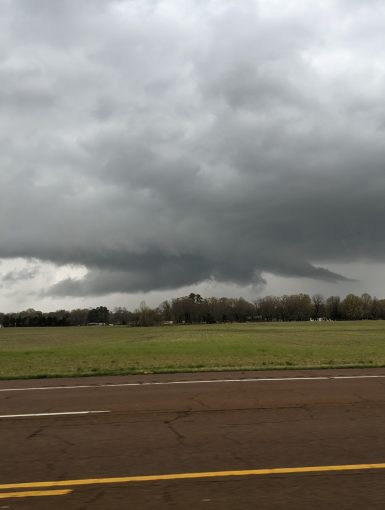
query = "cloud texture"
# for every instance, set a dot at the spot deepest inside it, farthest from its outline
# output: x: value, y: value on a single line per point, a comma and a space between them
x: 163, y: 143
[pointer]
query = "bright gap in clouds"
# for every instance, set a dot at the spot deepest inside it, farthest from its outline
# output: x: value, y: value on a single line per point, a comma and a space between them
x: 24, y: 281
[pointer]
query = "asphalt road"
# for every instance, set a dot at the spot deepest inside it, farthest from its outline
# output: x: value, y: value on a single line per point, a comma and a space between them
x: 227, y: 429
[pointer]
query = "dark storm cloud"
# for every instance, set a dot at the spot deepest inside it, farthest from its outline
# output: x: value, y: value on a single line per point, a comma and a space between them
x: 160, y: 144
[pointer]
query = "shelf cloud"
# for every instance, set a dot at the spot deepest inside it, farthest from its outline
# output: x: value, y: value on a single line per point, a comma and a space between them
x: 160, y: 144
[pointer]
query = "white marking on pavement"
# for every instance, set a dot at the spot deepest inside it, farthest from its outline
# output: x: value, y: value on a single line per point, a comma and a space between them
x: 68, y: 413
x: 208, y: 381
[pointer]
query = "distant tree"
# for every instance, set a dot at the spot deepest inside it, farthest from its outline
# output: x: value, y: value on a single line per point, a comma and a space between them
x: 377, y: 309
x: 61, y: 317
x: 380, y: 308
x: 99, y: 314
x: 303, y: 307
x: 268, y: 308
x: 318, y: 306
x: 333, y: 308
x: 242, y: 310
x: 78, y: 317
x: 145, y: 316
x: 366, y: 306
x: 352, y: 307
x: 222, y: 310
x: 296, y: 307
x: 121, y: 316
x: 165, y: 311
x: 184, y: 309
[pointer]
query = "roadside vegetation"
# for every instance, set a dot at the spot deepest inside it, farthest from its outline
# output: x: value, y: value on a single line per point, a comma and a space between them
x: 80, y: 351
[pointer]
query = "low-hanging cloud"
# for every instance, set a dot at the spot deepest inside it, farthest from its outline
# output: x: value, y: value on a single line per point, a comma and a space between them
x: 161, y: 144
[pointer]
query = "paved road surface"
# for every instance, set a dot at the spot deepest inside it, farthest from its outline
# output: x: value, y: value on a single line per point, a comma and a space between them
x: 225, y: 428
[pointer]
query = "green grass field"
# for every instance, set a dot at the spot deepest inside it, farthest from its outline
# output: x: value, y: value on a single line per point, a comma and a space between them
x: 80, y: 351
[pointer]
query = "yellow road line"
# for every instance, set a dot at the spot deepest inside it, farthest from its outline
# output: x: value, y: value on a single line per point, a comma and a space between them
x: 187, y: 476
x: 28, y: 494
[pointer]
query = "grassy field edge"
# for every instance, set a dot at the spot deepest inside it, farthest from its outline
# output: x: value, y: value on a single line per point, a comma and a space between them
x: 37, y: 353
x: 111, y: 373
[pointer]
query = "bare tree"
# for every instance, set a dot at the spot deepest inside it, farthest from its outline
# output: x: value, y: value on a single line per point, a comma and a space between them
x: 318, y: 306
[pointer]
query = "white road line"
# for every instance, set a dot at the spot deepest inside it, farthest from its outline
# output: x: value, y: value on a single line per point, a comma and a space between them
x: 68, y: 413
x: 208, y: 381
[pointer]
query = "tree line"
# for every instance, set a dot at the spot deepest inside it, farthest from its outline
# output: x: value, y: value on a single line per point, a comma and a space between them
x: 194, y: 309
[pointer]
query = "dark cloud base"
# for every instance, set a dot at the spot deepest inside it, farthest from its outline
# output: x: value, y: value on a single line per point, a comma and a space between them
x: 174, y: 149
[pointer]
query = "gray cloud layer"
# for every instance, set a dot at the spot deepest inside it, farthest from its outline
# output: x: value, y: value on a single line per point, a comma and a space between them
x: 162, y: 143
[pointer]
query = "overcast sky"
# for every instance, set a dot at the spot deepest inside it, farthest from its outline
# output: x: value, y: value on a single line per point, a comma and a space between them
x: 149, y: 148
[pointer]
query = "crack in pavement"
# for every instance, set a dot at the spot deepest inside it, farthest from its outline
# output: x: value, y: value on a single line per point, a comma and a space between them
x: 197, y: 398
x: 36, y: 432
x: 170, y: 424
